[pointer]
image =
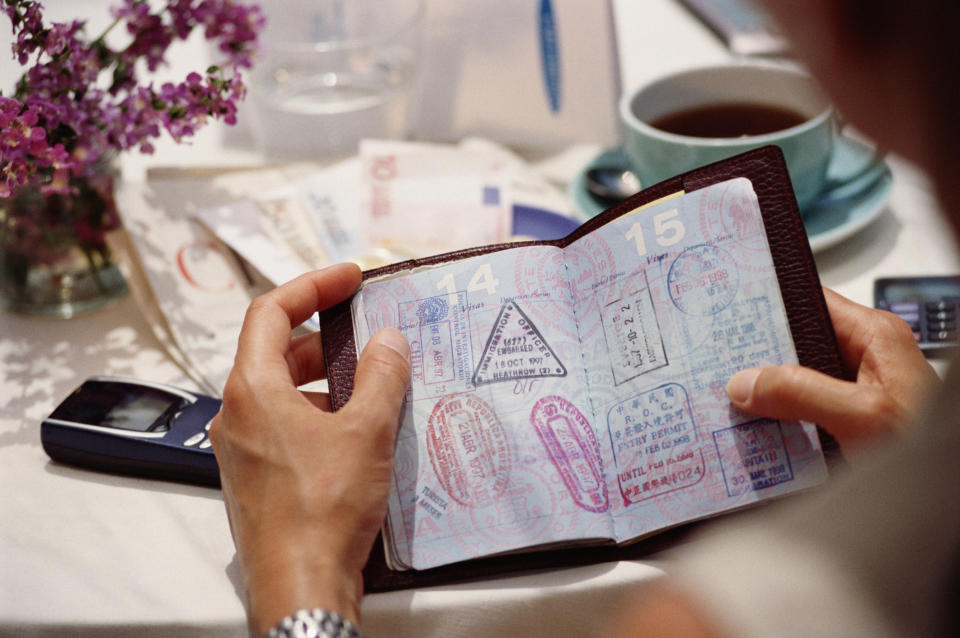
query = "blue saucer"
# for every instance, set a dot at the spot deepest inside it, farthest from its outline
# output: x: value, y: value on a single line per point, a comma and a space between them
x: 857, y: 189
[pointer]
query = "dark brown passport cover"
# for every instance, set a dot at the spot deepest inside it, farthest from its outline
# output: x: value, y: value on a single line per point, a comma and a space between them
x: 810, y: 325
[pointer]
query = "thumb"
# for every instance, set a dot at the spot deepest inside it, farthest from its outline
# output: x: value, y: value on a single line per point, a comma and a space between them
x: 849, y: 411
x: 380, y: 382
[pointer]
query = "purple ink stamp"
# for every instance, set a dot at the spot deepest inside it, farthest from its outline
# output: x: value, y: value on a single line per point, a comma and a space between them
x: 572, y: 446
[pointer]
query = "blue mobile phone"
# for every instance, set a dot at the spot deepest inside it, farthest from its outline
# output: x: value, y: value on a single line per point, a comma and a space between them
x: 134, y: 427
x: 929, y: 305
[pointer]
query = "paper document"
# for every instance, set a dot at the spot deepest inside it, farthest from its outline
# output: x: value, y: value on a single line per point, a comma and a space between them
x: 572, y: 394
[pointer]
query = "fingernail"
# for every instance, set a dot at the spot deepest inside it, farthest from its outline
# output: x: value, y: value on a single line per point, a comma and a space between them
x: 740, y: 386
x: 393, y: 339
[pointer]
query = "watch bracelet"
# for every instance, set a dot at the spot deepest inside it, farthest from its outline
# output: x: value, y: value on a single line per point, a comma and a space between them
x: 315, y: 623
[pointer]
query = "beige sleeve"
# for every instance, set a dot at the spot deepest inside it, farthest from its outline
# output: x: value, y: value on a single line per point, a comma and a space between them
x: 875, y: 553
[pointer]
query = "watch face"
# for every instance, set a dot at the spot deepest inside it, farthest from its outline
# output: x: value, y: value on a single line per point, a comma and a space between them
x: 125, y: 406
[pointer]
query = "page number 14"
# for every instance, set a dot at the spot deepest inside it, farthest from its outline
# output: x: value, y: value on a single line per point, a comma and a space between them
x: 482, y: 279
x: 667, y: 229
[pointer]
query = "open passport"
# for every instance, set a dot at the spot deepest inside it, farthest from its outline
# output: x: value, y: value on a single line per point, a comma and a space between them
x: 571, y: 393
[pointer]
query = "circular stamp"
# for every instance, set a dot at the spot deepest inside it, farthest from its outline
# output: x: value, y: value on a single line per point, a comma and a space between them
x: 573, y: 449
x: 558, y: 282
x: 735, y: 217
x: 540, y: 277
x: 433, y: 309
x: 524, y: 510
x: 382, y: 303
x: 468, y: 448
x: 703, y: 280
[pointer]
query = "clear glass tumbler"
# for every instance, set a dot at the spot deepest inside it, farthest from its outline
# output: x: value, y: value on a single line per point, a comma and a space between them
x: 332, y: 72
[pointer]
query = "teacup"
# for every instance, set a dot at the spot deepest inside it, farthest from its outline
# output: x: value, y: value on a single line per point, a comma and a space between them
x: 692, y: 117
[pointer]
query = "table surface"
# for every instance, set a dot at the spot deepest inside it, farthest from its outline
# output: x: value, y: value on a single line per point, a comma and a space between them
x: 89, y: 553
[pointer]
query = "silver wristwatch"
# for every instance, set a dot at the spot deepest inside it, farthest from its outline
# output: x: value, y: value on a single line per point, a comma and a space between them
x: 315, y: 623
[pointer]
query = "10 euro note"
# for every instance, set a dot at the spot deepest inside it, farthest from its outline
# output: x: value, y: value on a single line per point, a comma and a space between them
x: 419, y: 199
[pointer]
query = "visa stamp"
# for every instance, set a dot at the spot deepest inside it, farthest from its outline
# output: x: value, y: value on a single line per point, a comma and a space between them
x: 732, y: 214
x: 526, y: 509
x: 703, y: 280
x: 433, y: 309
x: 563, y: 283
x: 441, y: 354
x: 573, y: 449
x: 515, y: 349
x: 654, y: 440
x: 753, y: 456
x: 632, y: 332
x: 468, y: 449
x: 742, y: 336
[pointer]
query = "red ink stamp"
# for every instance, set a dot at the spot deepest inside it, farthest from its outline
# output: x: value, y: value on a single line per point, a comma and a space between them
x: 468, y: 449
x: 573, y: 449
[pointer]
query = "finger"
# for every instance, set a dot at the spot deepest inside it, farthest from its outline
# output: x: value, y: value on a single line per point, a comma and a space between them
x: 305, y: 359
x: 381, y: 380
x: 847, y: 410
x: 265, y: 334
x: 859, y: 328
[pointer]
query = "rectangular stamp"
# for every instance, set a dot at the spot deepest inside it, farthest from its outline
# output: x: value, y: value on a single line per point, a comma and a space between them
x: 753, y: 456
x: 742, y: 336
x: 441, y: 355
x: 632, y: 332
x: 654, y: 440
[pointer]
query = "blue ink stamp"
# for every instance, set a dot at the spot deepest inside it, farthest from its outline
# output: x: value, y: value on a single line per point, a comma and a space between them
x: 654, y: 440
x: 703, y: 280
x: 433, y: 309
x: 441, y: 355
x: 753, y: 456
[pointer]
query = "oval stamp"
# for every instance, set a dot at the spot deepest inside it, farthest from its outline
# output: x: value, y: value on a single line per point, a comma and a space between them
x: 468, y: 448
x: 573, y: 449
x: 703, y: 280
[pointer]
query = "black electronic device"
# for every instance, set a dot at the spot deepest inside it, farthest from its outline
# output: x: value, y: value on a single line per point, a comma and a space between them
x: 744, y: 27
x: 930, y: 306
x: 134, y: 427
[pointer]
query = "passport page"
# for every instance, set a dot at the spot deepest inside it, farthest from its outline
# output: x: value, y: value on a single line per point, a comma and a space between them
x: 673, y: 299
x: 494, y: 345
x: 577, y: 394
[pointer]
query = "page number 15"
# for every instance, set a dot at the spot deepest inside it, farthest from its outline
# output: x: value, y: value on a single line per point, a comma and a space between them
x: 667, y: 229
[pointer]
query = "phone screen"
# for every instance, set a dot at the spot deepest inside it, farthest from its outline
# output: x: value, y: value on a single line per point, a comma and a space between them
x: 119, y: 405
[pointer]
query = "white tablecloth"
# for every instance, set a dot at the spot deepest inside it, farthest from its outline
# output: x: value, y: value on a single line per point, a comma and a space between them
x: 83, y: 553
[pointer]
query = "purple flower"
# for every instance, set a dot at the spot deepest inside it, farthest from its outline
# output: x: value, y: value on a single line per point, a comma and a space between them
x: 79, y: 98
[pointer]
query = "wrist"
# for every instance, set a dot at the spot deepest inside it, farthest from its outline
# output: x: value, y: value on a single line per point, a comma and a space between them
x: 278, y: 585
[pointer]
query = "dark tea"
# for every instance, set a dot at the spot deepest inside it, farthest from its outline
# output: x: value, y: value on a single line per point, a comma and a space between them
x: 728, y: 120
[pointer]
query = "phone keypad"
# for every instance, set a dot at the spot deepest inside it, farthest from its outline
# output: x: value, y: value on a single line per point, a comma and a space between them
x: 931, y: 321
x: 194, y: 439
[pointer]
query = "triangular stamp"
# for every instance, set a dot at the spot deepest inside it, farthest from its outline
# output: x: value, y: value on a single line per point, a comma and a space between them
x: 516, y: 350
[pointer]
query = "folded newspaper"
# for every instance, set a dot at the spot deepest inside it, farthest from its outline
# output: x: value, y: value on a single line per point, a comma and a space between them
x: 201, y: 243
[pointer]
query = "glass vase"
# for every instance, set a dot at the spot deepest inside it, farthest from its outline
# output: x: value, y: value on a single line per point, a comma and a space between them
x: 54, y: 257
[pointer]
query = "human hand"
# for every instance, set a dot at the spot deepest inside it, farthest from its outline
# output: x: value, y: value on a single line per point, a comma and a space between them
x: 892, y: 379
x: 305, y: 489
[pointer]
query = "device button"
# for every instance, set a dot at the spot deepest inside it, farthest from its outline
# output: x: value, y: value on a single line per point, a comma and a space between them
x: 206, y: 443
x: 206, y: 428
x: 193, y: 440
